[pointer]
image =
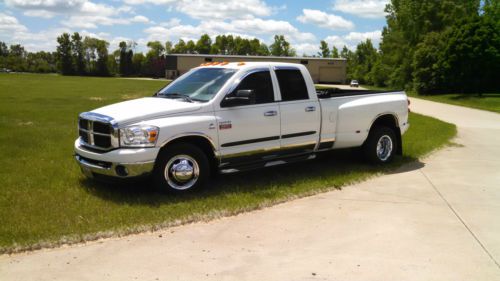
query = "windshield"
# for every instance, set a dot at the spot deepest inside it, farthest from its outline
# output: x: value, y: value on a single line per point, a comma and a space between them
x: 198, y: 85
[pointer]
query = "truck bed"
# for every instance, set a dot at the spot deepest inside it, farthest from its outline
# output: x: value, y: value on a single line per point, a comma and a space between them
x: 337, y: 92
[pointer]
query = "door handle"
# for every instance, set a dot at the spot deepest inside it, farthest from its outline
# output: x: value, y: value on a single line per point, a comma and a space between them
x: 271, y: 113
x: 310, y: 108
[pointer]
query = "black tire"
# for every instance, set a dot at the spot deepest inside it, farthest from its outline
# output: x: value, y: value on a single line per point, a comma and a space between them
x: 384, y: 134
x: 173, y: 155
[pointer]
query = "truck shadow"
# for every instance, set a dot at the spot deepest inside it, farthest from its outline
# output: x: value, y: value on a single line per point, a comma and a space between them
x: 321, y: 172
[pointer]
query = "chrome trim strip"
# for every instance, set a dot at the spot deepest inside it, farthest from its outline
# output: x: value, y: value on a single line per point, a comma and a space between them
x: 293, y: 145
x: 94, y: 133
x: 327, y: 140
x: 97, y: 117
x: 103, y: 149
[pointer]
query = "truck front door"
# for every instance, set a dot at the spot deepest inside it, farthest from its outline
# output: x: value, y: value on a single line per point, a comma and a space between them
x: 249, y: 129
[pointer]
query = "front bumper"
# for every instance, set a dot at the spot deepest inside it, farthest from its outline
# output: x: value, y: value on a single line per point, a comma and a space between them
x: 90, y: 167
x: 122, y: 163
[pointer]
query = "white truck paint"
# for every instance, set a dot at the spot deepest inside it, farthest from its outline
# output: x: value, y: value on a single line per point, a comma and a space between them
x: 249, y: 115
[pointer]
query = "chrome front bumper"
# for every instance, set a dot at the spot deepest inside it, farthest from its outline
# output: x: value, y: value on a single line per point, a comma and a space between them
x: 90, y: 167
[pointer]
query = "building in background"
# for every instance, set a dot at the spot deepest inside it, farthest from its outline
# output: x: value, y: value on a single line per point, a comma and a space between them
x: 323, y: 70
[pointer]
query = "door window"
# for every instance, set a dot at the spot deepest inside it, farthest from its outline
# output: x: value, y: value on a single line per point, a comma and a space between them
x: 261, y: 84
x: 292, y: 85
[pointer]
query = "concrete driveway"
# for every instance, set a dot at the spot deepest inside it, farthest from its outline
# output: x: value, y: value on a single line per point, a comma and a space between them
x: 435, y: 220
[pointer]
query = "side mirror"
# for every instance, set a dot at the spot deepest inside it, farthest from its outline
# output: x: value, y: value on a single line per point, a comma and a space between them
x: 241, y: 97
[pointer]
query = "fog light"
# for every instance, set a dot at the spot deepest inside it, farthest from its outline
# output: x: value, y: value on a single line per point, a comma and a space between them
x: 121, y: 171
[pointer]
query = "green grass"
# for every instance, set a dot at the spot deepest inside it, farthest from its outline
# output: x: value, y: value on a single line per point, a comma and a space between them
x: 490, y: 101
x: 45, y: 200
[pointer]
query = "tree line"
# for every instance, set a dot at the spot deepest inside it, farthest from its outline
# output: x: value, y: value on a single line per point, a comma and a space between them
x: 77, y: 55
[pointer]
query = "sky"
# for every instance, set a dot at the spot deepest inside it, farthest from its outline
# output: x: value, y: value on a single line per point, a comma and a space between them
x: 36, y: 23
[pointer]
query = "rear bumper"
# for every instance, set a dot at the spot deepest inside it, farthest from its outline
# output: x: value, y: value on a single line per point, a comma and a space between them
x: 122, y: 163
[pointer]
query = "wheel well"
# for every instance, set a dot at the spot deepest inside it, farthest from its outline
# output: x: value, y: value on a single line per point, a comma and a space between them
x: 390, y: 121
x: 201, y: 142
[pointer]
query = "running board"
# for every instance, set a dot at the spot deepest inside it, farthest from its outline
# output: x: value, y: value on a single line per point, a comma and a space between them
x: 263, y: 164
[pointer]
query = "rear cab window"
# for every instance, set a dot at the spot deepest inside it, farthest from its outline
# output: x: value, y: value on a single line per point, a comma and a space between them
x: 292, y: 84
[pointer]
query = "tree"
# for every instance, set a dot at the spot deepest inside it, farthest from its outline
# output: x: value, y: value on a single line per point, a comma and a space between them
x: 335, y: 52
x: 324, y: 50
x: 168, y: 47
x: 190, y: 47
x: 138, y: 62
x: 408, y: 22
x: 78, y: 53
x: 102, y: 58
x: 64, y: 53
x: 465, y: 58
x: 4, y: 50
x: 204, y: 44
x: 180, y: 47
x: 125, y: 66
x: 156, y: 49
x: 362, y: 62
x: 281, y: 47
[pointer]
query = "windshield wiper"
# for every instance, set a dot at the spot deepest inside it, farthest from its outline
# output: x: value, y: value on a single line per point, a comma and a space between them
x: 177, y: 95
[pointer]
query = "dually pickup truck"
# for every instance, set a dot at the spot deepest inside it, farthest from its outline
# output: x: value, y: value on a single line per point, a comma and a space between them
x: 227, y: 117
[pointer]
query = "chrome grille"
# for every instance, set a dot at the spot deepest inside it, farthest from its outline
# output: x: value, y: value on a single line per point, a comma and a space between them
x: 97, y: 131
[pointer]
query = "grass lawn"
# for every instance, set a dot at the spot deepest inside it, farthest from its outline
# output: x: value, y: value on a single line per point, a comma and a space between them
x: 45, y: 200
x: 490, y: 101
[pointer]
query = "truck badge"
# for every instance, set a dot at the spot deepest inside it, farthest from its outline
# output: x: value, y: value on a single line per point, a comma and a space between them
x: 225, y: 125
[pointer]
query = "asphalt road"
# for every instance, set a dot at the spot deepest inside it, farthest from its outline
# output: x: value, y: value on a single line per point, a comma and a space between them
x: 433, y: 220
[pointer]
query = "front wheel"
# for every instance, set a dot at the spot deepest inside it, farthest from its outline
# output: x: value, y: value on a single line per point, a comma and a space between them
x: 180, y: 168
x: 381, y: 145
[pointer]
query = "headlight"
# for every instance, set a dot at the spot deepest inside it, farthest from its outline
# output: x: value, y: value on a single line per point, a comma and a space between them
x: 139, y: 136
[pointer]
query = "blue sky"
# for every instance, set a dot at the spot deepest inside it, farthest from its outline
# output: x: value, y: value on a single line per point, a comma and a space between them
x: 37, y: 23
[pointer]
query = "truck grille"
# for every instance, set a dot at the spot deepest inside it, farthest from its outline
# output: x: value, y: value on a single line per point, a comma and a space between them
x: 97, y: 132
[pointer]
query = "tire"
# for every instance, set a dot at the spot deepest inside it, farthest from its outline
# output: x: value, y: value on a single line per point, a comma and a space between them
x: 384, y: 153
x: 181, y: 168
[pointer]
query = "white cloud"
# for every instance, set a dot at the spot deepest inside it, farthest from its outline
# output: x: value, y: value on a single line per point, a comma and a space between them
x: 140, y: 18
x: 79, y: 13
x: 374, y: 36
x: 53, y: 6
x: 10, y: 24
x: 39, y: 14
x: 306, y: 48
x: 362, y: 8
x: 220, y: 9
x: 352, y: 39
x: 248, y: 28
x: 154, y: 2
x: 223, y: 9
x: 324, y: 20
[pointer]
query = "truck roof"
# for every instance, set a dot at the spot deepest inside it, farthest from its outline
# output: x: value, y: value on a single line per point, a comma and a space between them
x: 246, y: 65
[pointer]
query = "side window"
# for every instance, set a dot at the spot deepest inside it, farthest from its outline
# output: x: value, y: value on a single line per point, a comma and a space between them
x: 292, y: 85
x: 261, y: 84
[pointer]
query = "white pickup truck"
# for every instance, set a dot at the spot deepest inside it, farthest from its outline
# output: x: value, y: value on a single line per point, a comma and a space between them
x: 228, y: 117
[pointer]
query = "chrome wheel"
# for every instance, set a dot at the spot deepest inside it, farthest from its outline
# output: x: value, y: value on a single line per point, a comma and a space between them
x: 182, y: 172
x: 384, y: 148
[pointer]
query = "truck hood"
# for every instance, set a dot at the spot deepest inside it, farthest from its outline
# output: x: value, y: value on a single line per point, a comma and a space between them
x: 145, y: 108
